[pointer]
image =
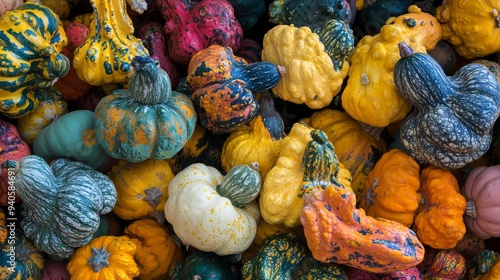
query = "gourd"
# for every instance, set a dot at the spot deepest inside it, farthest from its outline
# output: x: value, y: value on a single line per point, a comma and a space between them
x: 203, y: 207
x: 51, y: 106
x: 147, y: 120
x: 12, y: 147
x: 156, y: 250
x: 264, y: 230
x: 62, y: 202
x: 73, y: 136
x: 484, y: 265
x: 20, y: 258
x: 454, y: 116
x: 224, y: 87
x: 469, y: 245
x: 357, y: 149
x: 106, y: 55
x: 248, y: 12
x: 105, y: 257
x: 471, y: 27
x: 9, y: 5
x: 192, y: 26
x: 442, y: 264
x: 62, y: 8
x: 206, y: 265
x: 370, y: 95
x: 141, y: 187
x: 35, y: 66
x: 338, y: 232
x: 438, y: 221
x: 282, y: 194
x: 259, y: 141
x: 480, y: 190
x: 314, y: 61
x: 392, y: 188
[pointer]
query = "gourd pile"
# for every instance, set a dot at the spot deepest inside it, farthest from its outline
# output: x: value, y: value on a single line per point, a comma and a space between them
x: 252, y: 139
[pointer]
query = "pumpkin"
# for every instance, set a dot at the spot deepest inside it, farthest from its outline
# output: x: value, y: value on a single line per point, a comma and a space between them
x: 370, y: 95
x: 193, y: 26
x: 141, y: 188
x: 105, y: 257
x: 248, y: 12
x: 9, y: 5
x: 73, y: 136
x: 35, y: 66
x: 106, y: 55
x: 147, y: 120
x: 313, y: 74
x: 438, y: 221
x: 223, y: 87
x: 20, y: 258
x: 442, y: 264
x: 51, y: 106
x: 62, y: 202
x: 471, y: 27
x: 454, y: 116
x: 481, y: 213
x: 259, y: 141
x: 206, y: 265
x: 203, y: 206
x: 485, y: 264
x: 391, y: 189
x: 357, y: 149
x: 12, y: 147
x: 156, y: 250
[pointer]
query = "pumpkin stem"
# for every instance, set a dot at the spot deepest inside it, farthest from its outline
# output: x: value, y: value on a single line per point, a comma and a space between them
x: 254, y: 166
x: 470, y: 209
x: 496, y: 15
x: 23, y: 252
x: 99, y: 259
x: 405, y: 50
x: 370, y: 193
x: 149, y: 83
x: 153, y: 196
x: 364, y: 79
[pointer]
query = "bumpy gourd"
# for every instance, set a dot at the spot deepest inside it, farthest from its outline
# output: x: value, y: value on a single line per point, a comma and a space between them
x: 106, y: 55
x: 472, y: 27
x: 370, y: 95
x: 453, y: 118
x: 484, y: 265
x: 31, y: 40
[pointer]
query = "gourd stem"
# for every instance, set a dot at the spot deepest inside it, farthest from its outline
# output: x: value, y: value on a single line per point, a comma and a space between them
x: 254, y: 166
x: 470, y: 209
x: 99, y: 259
x: 370, y: 193
x: 496, y: 15
x: 153, y: 196
x: 23, y: 252
x: 405, y: 50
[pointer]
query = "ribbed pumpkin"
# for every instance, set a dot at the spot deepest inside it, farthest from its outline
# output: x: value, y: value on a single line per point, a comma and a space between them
x: 147, y: 120
x: 224, y: 87
x: 20, y: 259
x: 34, y: 66
x: 357, y: 149
x: 454, y: 116
x: 392, y: 188
x: 142, y: 188
x: 61, y: 202
x: 259, y: 141
x: 105, y: 257
x: 156, y: 250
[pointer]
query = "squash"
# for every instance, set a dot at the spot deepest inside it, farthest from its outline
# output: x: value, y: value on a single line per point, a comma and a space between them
x: 105, y: 257
x: 484, y: 265
x: 454, y: 116
x: 264, y: 230
x: 141, y: 187
x: 223, y: 87
x: 9, y: 5
x: 471, y: 27
x: 438, y: 221
x: 206, y: 265
x: 259, y: 141
x: 37, y: 65
x: 248, y: 12
x: 51, y: 106
x: 156, y: 250
x: 313, y: 73
x: 481, y: 213
x: 192, y: 26
x: 106, y: 55
x: 356, y: 149
x: 73, y: 136
x: 20, y: 258
x: 203, y: 206
x: 147, y: 120
x: 442, y: 264
x: 392, y: 188
x: 61, y: 202
x: 12, y: 147
x: 370, y: 95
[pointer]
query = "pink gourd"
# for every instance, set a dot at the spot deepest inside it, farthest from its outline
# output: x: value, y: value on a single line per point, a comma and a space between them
x: 193, y: 25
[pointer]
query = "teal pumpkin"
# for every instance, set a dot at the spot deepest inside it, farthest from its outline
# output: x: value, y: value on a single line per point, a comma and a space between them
x: 73, y: 136
x: 453, y: 117
x: 206, y: 265
x: 147, y: 120
x: 20, y: 259
x: 62, y: 202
